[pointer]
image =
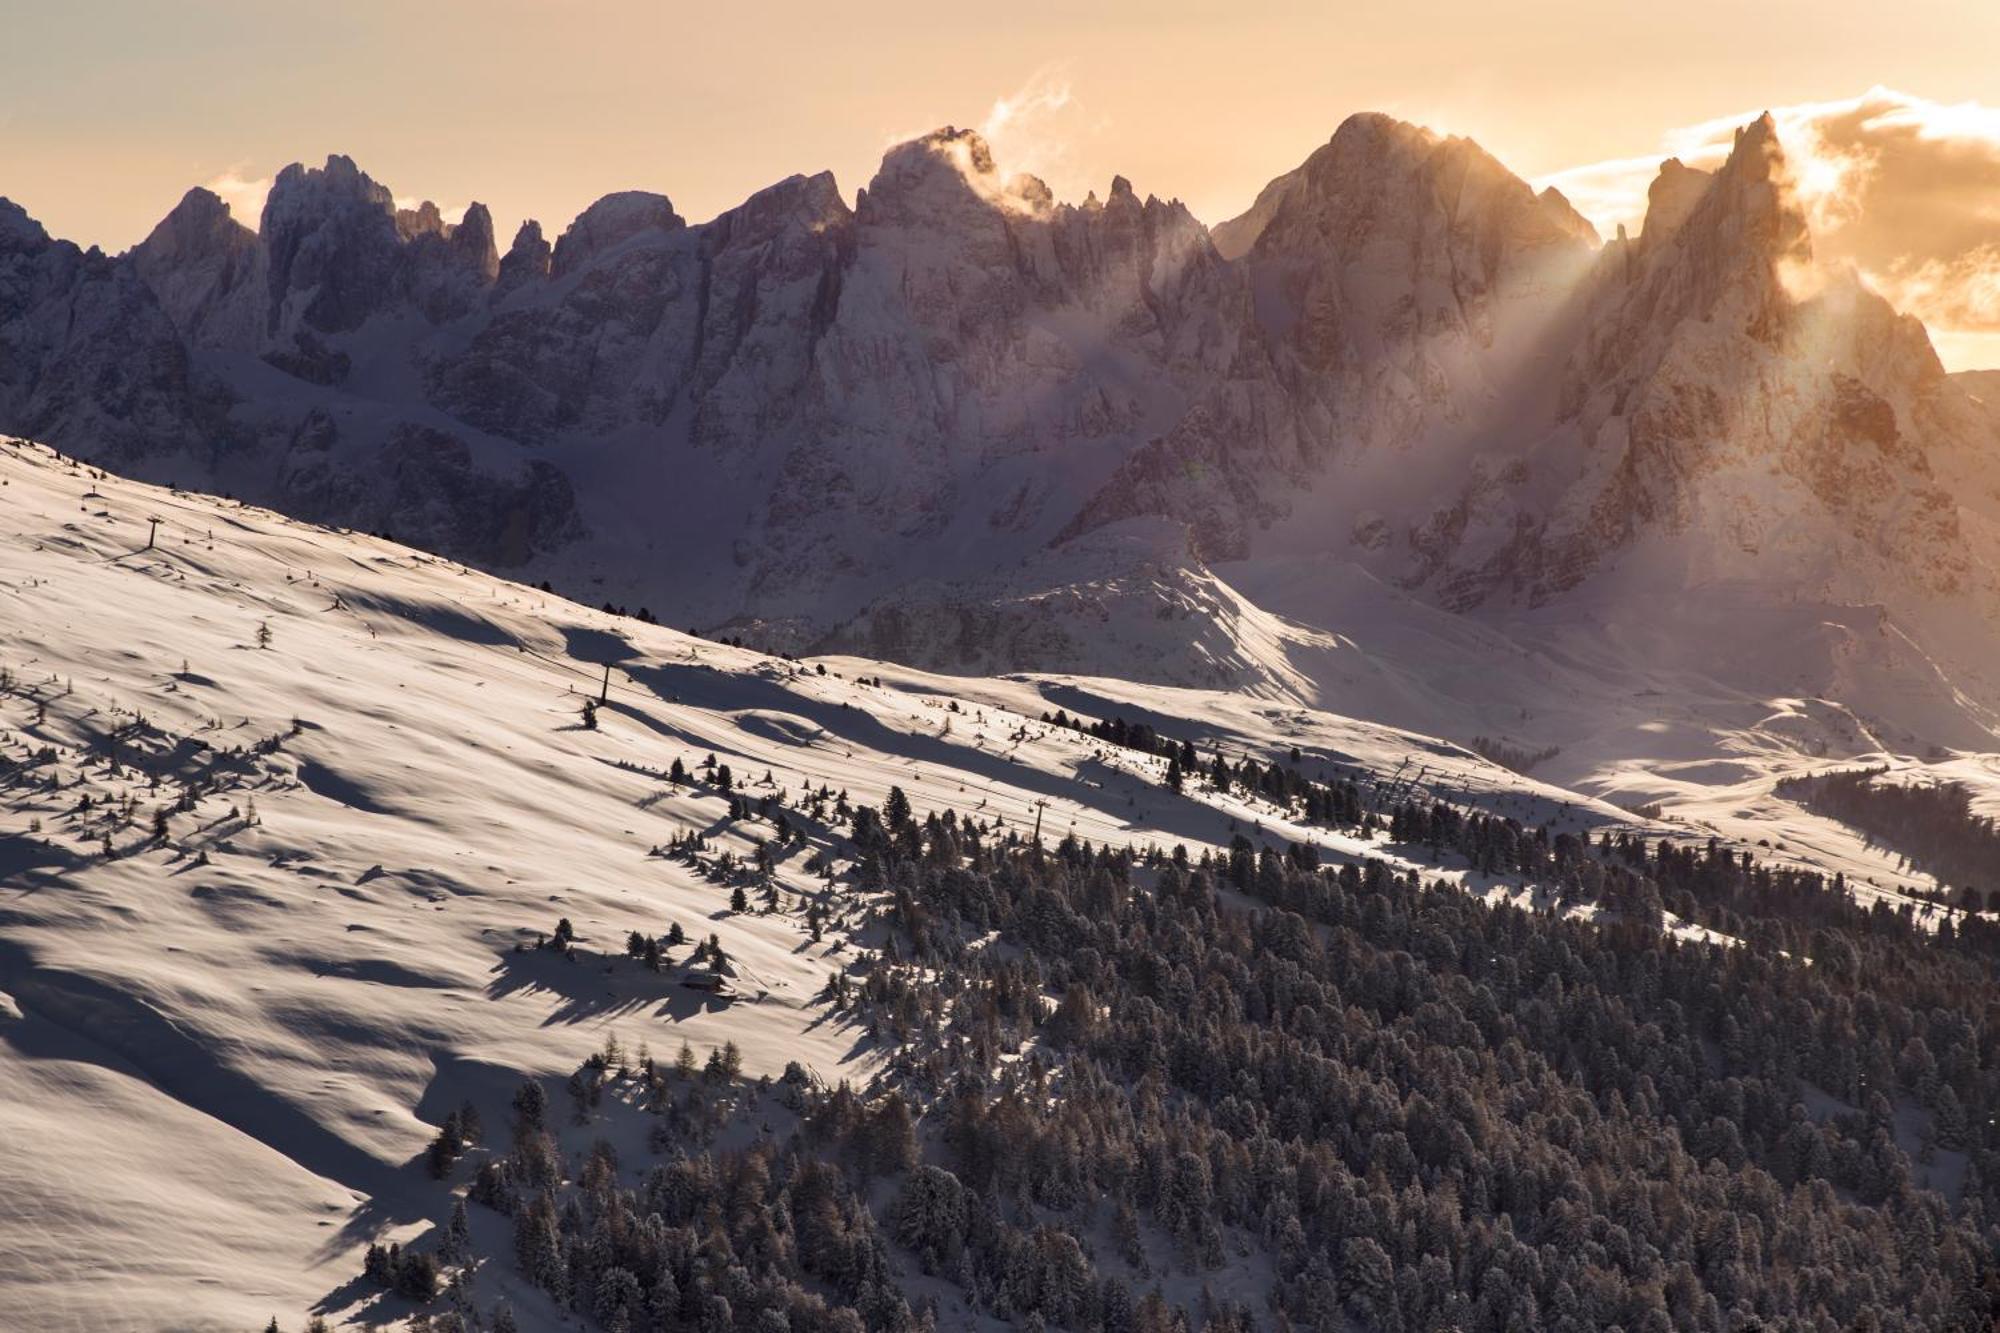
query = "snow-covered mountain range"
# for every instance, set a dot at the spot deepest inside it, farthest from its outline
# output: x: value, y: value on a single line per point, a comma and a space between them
x: 1404, y: 439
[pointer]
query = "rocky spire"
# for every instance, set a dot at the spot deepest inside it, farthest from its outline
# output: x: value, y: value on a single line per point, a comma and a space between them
x: 301, y: 193
x: 447, y: 267
x: 1731, y: 245
x: 472, y: 241
x: 526, y: 261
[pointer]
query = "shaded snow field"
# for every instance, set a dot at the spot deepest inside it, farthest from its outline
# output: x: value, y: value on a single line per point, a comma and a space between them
x: 222, y: 1053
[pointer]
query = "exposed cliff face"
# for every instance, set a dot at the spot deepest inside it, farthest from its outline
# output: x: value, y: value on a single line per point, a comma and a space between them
x: 960, y: 393
x: 1395, y: 282
x: 334, y: 246
x: 1052, y: 343
x: 1389, y: 236
x: 1725, y: 390
x: 204, y: 268
x: 86, y: 350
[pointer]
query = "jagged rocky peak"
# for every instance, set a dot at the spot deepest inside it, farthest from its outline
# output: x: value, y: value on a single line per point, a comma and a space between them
x: 1124, y: 208
x: 811, y: 201
x: 526, y: 261
x: 1754, y: 207
x: 1734, y: 244
x: 448, y: 265
x: 469, y: 241
x: 926, y: 157
x: 1722, y: 254
x: 199, y: 226
x: 301, y: 193
x: 784, y: 232
x: 1146, y: 254
x: 1374, y: 134
x: 1032, y: 191
x: 1382, y: 184
x: 1337, y: 169
x: 18, y: 231
x: 1392, y: 241
x: 472, y: 240
x: 611, y: 221
x: 1722, y: 365
x: 333, y: 247
x: 338, y: 250
x: 940, y: 176
x: 202, y: 266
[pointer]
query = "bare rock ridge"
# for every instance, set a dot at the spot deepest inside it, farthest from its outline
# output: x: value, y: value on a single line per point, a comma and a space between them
x: 960, y: 398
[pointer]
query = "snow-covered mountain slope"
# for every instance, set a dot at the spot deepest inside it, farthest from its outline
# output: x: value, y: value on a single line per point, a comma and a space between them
x: 280, y: 803
x: 218, y: 1042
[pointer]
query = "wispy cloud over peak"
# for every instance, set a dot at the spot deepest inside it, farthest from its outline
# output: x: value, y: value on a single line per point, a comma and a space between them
x: 1903, y: 188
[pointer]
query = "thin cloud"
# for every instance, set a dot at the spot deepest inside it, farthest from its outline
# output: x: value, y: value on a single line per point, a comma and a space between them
x: 1962, y: 292
x: 452, y: 214
x: 1032, y: 131
x: 1043, y: 95
x: 1905, y: 189
x: 1611, y: 193
x: 244, y: 194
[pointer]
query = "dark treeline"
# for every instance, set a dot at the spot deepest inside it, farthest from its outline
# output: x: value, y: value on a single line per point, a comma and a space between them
x: 1932, y: 825
x: 1314, y: 800
x: 762, y: 1239
x: 1371, y: 1101
x: 1517, y: 757
x: 1436, y: 1114
x: 1642, y: 878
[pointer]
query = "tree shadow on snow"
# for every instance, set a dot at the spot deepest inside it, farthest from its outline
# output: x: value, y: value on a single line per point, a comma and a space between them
x: 376, y: 1306
x: 596, y: 647
x: 23, y: 855
x: 412, y: 1195
x: 595, y: 986
x: 451, y: 621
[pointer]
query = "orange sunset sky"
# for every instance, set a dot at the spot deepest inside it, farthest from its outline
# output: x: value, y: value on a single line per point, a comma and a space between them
x: 110, y: 109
